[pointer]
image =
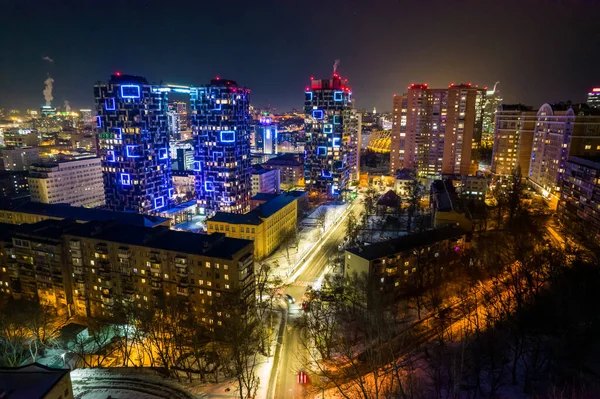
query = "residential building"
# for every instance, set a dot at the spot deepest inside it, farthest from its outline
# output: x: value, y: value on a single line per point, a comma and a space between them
x: 177, y: 118
x: 593, y: 99
x: 291, y: 170
x: 221, y: 129
x: 513, y: 138
x: 331, y: 143
x: 19, y: 158
x: 265, y: 135
x: 561, y: 130
x: 267, y: 225
x: 87, y: 269
x: 446, y: 206
x: 437, y: 131
x: 265, y: 180
x: 392, y: 265
x: 354, y: 146
x: 77, y: 183
x: 301, y: 200
x: 493, y: 99
x: 133, y: 139
x: 35, y: 381
x: 15, y: 137
x: 474, y: 188
x: 464, y: 122
x: 579, y: 205
x: 13, y: 184
x: 33, y: 212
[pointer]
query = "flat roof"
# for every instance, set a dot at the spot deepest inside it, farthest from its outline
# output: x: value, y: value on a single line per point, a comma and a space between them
x: 213, y: 245
x: 406, y: 243
x: 26, y: 382
x: 64, y: 211
x: 265, y: 210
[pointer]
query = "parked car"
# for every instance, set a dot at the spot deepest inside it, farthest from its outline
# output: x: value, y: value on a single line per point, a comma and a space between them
x: 289, y: 298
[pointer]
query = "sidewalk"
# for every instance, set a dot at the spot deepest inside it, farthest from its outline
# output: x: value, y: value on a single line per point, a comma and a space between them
x: 309, y: 237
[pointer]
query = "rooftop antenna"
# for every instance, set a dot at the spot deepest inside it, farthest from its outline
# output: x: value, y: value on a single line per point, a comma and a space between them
x: 335, y: 65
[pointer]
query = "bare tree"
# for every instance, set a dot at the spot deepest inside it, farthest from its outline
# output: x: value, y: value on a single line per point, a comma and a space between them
x: 321, y: 217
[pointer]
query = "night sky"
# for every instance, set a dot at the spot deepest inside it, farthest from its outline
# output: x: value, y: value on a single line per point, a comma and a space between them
x: 540, y: 51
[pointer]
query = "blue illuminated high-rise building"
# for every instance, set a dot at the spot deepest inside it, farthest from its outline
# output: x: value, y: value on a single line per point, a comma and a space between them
x: 221, y: 129
x: 133, y: 142
x: 331, y: 137
x: 265, y: 135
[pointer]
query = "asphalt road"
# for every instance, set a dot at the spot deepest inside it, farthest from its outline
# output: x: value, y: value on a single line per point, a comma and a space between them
x: 293, y: 356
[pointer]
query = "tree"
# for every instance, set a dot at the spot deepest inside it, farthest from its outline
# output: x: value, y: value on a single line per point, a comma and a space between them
x: 321, y: 217
x: 352, y: 229
x: 415, y: 192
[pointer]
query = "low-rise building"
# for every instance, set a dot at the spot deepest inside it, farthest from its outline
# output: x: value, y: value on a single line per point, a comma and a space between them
x: 474, y: 188
x: 390, y: 265
x: 88, y: 269
x: 19, y: 158
x: 579, y: 205
x: 13, y: 184
x: 266, y: 225
x: 265, y: 180
x: 446, y: 207
x: 77, y: 183
x: 33, y: 212
x: 291, y: 170
x: 35, y: 381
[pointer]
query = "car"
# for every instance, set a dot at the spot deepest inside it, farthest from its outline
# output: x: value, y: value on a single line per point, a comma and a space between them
x: 289, y: 298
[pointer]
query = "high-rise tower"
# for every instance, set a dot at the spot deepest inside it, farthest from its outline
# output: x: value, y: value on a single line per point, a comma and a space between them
x: 330, y: 148
x: 133, y: 140
x: 221, y: 130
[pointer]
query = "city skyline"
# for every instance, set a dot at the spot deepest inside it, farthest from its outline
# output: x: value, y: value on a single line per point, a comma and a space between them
x: 275, y: 66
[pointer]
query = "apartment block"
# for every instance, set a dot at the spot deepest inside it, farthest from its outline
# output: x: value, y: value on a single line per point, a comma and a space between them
x: 391, y: 265
x: 291, y: 170
x: 266, y: 225
x: 265, y: 181
x: 77, y: 183
x: 579, y: 205
x: 562, y: 130
x: 19, y: 158
x: 88, y: 269
x: 513, y: 138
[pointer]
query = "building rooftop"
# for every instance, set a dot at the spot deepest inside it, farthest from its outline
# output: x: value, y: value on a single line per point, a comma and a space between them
x: 406, y: 243
x: 263, y: 211
x: 284, y: 160
x: 445, y: 195
x: 213, y: 245
x: 516, y: 107
x: 589, y: 161
x: 26, y: 382
x: 390, y: 199
x: 264, y: 196
x: 63, y: 211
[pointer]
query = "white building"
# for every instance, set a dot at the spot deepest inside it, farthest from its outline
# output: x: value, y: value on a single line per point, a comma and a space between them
x: 265, y: 181
x: 18, y: 158
x: 474, y: 187
x: 77, y: 183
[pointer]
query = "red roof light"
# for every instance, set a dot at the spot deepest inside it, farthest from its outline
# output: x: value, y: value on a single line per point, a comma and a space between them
x: 118, y: 73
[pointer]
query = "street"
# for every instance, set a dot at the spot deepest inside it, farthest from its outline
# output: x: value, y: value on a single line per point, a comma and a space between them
x: 292, y: 353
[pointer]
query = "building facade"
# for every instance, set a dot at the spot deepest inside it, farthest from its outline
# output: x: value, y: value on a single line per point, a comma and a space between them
x: 291, y: 170
x: 265, y: 135
x: 579, y: 205
x: 474, y: 188
x: 265, y: 181
x: 513, y: 138
x: 77, y: 183
x: 221, y: 129
x: 561, y: 130
x: 493, y: 99
x: 13, y: 184
x: 267, y: 225
x: 19, y: 158
x: 331, y: 143
x: 133, y: 139
x: 88, y: 269
x: 437, y: 131
x: 593, y: 99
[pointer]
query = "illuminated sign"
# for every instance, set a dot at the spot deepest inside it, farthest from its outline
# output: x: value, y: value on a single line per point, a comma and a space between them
x: 338, y: 96
x: 130, y: 91
x: 317, y: 114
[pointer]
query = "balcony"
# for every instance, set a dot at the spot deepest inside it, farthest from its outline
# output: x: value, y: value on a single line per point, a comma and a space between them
x: 124, y: 253
x: 78, y: 270
x: 182, y: 272
x: 75, y: 244
x: 75, y: 253
x: 180, y: 261
x: 155, y: 285
x: 183, y: 291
